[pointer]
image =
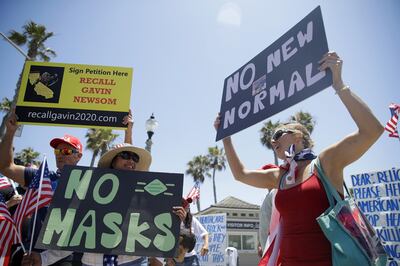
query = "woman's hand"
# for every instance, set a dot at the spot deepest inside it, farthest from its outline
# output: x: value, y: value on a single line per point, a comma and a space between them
x: 128, y: 119
x: 180, y: 211
x: 332, y: 60
x: 217, y: 121
x: 204, y: 250
x: 15, y: 199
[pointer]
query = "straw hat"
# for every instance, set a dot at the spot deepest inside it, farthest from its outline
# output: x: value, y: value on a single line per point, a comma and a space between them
x: 144, y: 156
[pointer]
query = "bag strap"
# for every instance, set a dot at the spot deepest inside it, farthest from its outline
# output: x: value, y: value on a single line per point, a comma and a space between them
x: 347, y: 190
x: 331, y: 192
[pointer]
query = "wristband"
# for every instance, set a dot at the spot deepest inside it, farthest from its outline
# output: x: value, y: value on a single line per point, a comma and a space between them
x: 344, y: 88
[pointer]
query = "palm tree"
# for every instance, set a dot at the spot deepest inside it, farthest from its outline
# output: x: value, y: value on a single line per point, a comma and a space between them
x: 28, y: 156
x: 216, y: 157
x: 92, y: 143
x: 5, y: 105
x: 304, y: 118
x: 33, y: 36
x: 99, y: 141
x: 266, y: 135
x: 199, y: 168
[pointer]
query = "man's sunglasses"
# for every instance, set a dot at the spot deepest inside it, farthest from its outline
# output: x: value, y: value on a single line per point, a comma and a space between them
x: 279, y: 133
x: 65, y: 151
x: 126, y: 155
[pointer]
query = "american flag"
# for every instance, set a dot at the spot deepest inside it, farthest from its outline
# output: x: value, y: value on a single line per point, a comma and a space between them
x: 30, y: 200
x: 391, y: 126
x: 6, y: 232
x: 194, y: 193
x: 4, y: 182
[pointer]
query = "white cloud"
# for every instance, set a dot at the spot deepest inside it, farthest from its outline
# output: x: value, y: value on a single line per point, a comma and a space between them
x: 230, y: 14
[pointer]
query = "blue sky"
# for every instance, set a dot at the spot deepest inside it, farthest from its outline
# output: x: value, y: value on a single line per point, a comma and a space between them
x: 181, y: 52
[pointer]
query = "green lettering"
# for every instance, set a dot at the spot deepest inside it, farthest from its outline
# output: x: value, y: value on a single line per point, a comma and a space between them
x: 58, y: 225
x: 134, y: 233
x: 89, y: 230
x: 78, y: 184
x: 114, y: 189
x: 111, y: 220
x: 165, y: 242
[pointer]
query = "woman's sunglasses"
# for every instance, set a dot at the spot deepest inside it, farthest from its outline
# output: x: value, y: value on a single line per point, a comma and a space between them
x: 65, y: 151
x: 279, y: 133
x: 126, y: 155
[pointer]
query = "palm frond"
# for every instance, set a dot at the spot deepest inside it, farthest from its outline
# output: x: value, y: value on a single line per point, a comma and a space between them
x: 17, y: 38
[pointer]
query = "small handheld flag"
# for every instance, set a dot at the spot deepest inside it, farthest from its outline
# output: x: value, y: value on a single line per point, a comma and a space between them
x: 6, y: 232
x: 194, y: 193
x: 391, y: 125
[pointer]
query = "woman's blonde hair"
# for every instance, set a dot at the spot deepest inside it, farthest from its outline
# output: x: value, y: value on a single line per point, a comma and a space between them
x: 295, y: 126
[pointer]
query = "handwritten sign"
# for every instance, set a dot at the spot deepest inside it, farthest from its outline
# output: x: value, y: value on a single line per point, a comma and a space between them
x: 114, y: 212
x: 285, y: 73
x: 74, y: 95
x: 215, y: 224
x: 378, y: 196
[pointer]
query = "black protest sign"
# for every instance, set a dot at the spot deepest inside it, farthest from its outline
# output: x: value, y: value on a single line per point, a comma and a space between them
x: 285, y: 73
x: 114, y: 212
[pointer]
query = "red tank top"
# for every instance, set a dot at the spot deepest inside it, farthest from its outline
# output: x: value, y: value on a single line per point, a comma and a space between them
x: 303, y: 242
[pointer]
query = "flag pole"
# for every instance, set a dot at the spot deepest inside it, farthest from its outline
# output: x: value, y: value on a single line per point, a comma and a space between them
x: 37, y: 203
x: 19, y: 238
x: 13, y: 185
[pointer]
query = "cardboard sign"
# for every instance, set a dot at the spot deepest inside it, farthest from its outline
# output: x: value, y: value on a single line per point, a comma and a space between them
x: 282, y: 75
x: 74, y: 95
x: 215, y: 224
x: 377, y: 194
x: 114, y: 212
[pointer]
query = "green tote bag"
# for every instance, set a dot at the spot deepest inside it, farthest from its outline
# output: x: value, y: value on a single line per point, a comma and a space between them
x: 352, y: 238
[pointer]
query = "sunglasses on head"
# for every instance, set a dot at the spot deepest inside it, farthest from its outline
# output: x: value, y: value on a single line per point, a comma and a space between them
x: 65, y: 151
x: 126, y: 155
x: 279, y: 133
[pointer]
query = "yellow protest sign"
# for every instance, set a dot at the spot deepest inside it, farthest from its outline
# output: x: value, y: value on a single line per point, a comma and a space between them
x: 74, y: 95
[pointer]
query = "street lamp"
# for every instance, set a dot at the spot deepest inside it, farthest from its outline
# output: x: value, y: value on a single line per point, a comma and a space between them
x: 151, y: 125
x: 13, y: 103
x: 15, y: 46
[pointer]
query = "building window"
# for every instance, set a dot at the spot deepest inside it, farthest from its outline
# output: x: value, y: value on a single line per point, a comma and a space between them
x: 248, y: 242
x: 235, y: 241
x: 242, y: 242
x: 251, y: 214
x: 234, y: 214
x: 243, y: 214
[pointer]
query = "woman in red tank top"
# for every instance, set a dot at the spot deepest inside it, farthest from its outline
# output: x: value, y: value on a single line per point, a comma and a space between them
x: 301, y: 197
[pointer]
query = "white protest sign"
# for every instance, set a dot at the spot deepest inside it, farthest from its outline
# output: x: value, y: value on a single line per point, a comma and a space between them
x: 215, y: 224
x: 378, y: 196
